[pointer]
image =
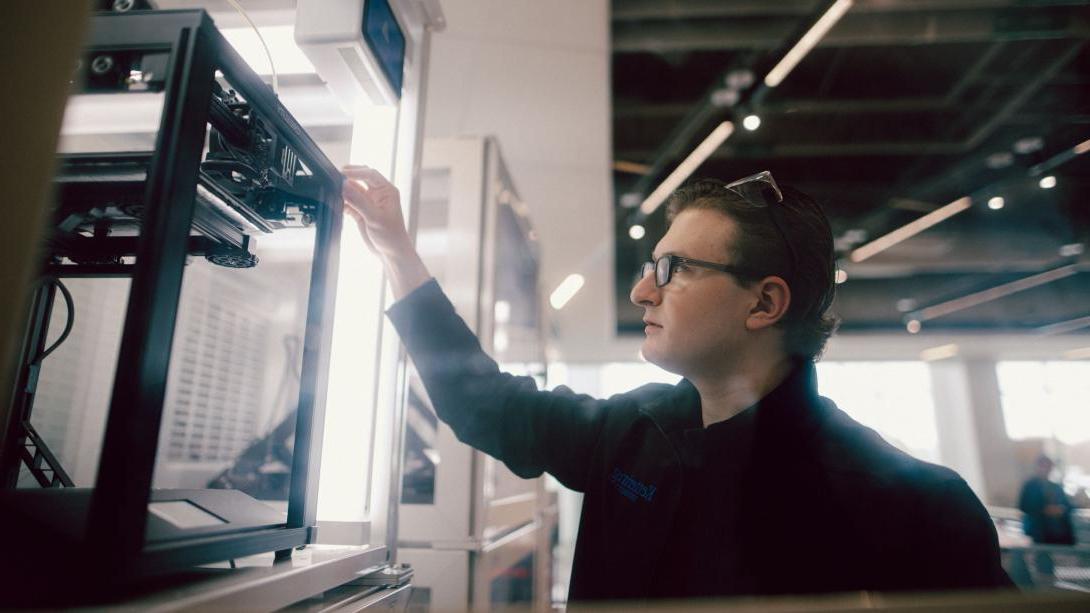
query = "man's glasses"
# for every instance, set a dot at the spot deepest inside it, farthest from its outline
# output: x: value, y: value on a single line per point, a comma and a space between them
x: 760, y: 190
x: 665, y: 266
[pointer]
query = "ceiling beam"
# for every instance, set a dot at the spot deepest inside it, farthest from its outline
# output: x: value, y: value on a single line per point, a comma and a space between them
x: 642, y: 10
x: 839, y: 107
x: 801, y: 106
x: 710, y: 107
x: 852, y: 30
x: 958, y: 147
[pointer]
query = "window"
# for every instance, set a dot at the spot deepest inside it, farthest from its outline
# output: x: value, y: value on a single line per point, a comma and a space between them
x: 1047, y: 400
x: 894, y: 398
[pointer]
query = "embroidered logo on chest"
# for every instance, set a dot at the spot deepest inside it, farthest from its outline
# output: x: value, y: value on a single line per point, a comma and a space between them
x: 630, y: 487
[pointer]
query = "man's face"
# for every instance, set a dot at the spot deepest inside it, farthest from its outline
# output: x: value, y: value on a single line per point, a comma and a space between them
x: 1044, y: 468
x: 697, y: 321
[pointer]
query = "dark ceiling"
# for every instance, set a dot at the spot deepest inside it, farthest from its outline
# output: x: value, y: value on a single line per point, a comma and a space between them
x: 902, y: 108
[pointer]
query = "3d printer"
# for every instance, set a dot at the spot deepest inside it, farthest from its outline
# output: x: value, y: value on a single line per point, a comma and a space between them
x: 195, y: 278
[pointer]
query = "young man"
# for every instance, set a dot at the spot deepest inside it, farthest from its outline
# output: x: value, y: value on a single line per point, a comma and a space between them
x: 739, y: 480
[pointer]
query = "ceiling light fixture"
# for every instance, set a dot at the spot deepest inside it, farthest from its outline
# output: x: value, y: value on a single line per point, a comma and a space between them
x: 911, y: 229
x: 941, y: 352
x: 841, y: 276
x: 1078, y: 354
x: 913, y: 326
x: 1059, y: 159
x: 905, y: 305
x: 1071, y: 250
x: 995, y: 293
x: 808, y: 41
x: 996, y: 202
x: 751, y: 122
x: 1047, y: 182
x: 1063, y: 327
x: 637, y: 232
x: 566, y: 290
x: 689, y: 165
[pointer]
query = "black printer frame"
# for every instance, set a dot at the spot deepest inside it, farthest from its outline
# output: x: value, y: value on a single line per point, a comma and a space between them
x: 112, y: 546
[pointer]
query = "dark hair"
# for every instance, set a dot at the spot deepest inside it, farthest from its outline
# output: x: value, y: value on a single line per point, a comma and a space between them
x: 760, y: 248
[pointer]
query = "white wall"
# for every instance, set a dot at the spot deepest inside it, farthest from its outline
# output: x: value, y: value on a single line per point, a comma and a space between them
x: 536, y: 76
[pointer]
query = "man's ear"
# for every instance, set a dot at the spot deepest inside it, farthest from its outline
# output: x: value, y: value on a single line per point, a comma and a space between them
x: 773, y: 300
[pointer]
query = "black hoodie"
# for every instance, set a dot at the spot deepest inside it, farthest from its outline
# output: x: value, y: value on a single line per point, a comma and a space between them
x: 826, y: 505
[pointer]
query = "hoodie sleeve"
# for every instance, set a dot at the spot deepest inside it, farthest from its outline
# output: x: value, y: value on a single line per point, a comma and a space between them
x: 507, y: 417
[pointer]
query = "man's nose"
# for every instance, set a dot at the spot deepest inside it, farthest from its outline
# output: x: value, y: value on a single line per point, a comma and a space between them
x: 645, y: 292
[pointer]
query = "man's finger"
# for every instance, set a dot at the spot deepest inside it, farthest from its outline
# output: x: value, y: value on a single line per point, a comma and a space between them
x: 357, y: 195
x: 351, y: 211
x: 358, y: 172
x: 370, y: 176
x: 366, y: 235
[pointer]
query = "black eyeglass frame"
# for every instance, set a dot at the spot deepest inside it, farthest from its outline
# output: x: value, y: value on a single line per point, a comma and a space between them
x: 664, y: 268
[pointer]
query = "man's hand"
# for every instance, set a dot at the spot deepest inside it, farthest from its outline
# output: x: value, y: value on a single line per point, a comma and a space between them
x: 375, y: 204
x: 1055, y: 510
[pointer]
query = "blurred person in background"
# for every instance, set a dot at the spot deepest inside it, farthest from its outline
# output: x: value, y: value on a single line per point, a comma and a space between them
x: 1047, y: 508
x: 684, y: 484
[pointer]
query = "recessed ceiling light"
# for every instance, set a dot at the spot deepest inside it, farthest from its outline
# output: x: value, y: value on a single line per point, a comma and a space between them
x: 999, y: 160
x: 913, y: 326
x: 751, y: 122
x: 739, y: 79
x: 1071, y: 250
x: 905, y: 305
x: 1031, y: 144
x: 996, y: 202
x: 637, y: 232
x: 725, y: 97
x: 1047, y: 182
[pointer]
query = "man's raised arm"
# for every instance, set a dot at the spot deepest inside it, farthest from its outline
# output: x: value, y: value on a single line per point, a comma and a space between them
x: 530, y: 430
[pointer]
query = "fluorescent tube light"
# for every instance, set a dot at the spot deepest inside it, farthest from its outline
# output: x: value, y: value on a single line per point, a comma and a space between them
x: 687, y: 167
x: 911, y: 229
x: 808, y: 41
x: 995, y: 293
x: 566, y: 290
x: 939, y: 353
x: 1065, y: 326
